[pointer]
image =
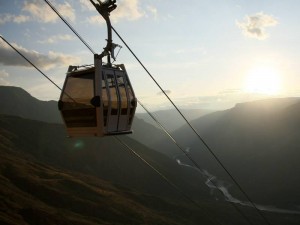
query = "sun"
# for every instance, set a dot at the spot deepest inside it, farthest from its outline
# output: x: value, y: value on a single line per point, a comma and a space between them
x: 263, y: 80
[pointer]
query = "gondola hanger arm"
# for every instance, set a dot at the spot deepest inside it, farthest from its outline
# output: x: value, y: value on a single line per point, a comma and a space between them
x: 105, y: 8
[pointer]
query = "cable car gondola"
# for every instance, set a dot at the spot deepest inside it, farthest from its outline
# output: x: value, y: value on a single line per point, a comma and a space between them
x: 98, y: 100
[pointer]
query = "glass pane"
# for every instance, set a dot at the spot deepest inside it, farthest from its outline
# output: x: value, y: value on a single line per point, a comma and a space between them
x: 130, y: 93
x: 113, y: 94
x: 104, y: 100
x: 77, y: 109
x: 79, y: 90
x: 123, y: 96
x: 132, y: 102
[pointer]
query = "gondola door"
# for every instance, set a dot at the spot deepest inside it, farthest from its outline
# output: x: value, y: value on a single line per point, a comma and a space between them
x: 123, y: 112
x: 113, y: 99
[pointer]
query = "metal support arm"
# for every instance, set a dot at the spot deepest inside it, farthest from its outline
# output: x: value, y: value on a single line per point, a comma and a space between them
x: 104, y: 8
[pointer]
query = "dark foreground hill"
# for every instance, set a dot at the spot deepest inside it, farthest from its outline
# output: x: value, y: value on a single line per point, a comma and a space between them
x: 46, y: 178
x: 104, y: 158
x: 34, y: 193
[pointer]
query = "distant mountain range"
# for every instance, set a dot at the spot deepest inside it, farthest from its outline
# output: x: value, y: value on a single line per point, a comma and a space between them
x: 171, y: 119
x: 15, y: 101
x: 257, y: 141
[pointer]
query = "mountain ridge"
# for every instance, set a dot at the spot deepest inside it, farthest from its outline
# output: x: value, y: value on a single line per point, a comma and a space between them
x: 18, y: 102
x: 251, y: 139
x: 45, y: 143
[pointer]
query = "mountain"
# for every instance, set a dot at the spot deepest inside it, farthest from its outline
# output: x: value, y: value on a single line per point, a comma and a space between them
x: 35, y: 193
x: 258, y: 142
x: 15, y: 101
x: 44, y: 174
x: 148, y: 132
x: 169, y: 116
x: 104, y: 158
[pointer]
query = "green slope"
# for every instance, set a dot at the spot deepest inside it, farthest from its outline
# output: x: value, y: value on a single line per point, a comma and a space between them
x: 34, y: 193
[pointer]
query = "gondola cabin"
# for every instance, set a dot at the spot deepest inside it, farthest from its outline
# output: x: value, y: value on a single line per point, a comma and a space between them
x: 97, y: 100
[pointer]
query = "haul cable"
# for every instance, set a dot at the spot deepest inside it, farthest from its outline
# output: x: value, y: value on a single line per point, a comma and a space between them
x: 174, y: 105
x: 129, y: 148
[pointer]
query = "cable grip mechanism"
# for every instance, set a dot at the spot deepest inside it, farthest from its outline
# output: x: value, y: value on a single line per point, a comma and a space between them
x: 105, y: 8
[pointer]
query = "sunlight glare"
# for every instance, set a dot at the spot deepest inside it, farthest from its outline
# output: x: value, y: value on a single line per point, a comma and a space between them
x: 263, y: 80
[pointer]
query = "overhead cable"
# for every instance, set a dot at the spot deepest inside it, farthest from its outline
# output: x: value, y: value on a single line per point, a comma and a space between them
x: 29, y: 62
x: 123, y: 143
x: 190, y: 158
x: 24, y: 57
x: 194, y: 130
x: 166, y: 179
x: 177, y: 109
x: 70, y: 26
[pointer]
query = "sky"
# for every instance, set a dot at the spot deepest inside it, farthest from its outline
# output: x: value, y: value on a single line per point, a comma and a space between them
x: 205, y: 54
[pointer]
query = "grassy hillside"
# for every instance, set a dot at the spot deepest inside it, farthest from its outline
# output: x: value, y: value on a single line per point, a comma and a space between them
x: 46, y: 178
x: 34, y: 193
x: 105, y: 158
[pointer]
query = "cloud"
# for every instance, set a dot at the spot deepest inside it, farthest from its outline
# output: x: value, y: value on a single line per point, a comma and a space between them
x: 230, y: 91
x: 86, y: 5
x: 254, y: 26
x: 9, y: 57
x: 39, y: 11
x: 21, y: 19
x: 95, y: 19
x: 5, y: 18
x: 168, y: 92
x: 190, y: 50
x: 43, y: 13
x: 153, y: 11
x: 67, y: 10
x: 3, y: 77
x: 126, y: 9
x: 57, y: 38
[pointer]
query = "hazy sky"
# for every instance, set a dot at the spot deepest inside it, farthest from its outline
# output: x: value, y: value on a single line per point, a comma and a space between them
x: 205, y: 54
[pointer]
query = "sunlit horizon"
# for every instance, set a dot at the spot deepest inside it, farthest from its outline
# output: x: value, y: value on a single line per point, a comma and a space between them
x: 263, y: 80
x: 223, y: 59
